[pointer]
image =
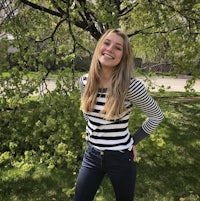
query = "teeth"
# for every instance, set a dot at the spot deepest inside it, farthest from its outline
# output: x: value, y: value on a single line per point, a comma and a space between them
x: 107, y: 55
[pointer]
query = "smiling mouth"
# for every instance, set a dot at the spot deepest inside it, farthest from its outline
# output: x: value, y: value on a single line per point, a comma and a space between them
x: 108, y: 56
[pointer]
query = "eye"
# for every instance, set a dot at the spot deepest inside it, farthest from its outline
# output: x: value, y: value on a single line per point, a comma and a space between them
x: 118, y: 48
x: 106, y: 43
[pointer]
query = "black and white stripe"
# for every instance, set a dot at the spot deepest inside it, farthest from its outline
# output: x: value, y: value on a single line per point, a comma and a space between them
x: 114, y: 134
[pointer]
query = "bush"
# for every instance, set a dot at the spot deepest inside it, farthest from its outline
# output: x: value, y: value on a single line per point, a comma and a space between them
x: 47, y: 130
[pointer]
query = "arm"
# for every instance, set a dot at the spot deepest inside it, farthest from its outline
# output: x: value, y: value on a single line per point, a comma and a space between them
x: 82, y: 83
x: 138, y: 95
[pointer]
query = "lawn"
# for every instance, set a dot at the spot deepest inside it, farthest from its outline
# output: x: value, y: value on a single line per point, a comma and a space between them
x: 168, y: 163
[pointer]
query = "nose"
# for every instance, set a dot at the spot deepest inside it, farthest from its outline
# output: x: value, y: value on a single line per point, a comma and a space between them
x: 110, y: 48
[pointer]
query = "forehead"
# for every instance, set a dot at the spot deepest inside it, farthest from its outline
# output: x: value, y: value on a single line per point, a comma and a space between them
x: 114, y: 38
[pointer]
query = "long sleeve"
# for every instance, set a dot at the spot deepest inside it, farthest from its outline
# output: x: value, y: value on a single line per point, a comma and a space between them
x: 139, y: 96
x: 82, y: 83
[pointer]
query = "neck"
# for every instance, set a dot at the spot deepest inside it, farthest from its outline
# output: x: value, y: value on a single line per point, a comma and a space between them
x: 105, y: 80
x: 106, y: 73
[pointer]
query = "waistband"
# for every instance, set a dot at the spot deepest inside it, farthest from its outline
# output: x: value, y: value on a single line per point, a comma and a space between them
x: 101, y: 152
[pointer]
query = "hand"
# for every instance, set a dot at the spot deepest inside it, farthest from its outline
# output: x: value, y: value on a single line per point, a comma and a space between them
x: 134, y: 153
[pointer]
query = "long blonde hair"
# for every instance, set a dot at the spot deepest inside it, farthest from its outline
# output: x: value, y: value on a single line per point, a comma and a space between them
x: 115, y: 103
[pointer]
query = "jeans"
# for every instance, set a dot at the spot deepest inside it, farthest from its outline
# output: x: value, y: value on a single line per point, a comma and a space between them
x: 118, y: 165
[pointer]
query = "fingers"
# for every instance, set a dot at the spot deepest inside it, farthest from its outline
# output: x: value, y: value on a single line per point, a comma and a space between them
x: 134, y: 153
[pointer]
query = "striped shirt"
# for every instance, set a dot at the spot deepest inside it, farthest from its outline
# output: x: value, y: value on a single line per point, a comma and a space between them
x: 114, y: 134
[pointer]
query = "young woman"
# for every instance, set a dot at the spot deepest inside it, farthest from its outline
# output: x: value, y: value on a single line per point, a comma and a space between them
x: 108, y: 94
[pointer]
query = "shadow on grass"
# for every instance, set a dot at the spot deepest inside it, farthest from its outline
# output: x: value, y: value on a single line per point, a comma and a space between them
x: 36, y: 186
x: 174, y: 171
x: 165, y: 173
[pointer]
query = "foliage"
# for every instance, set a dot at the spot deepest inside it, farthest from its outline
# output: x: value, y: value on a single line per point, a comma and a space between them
x: 46, y: 34
x: 43, y: 142
x: 167, y: 33
x: 43, y: 130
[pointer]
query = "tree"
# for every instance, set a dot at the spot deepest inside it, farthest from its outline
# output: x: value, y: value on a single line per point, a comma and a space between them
x: 166, y: 31
x: 49, y: 35
x: 169, y: 35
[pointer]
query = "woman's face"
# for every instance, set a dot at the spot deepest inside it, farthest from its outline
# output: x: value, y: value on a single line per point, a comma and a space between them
x: 111, y: 50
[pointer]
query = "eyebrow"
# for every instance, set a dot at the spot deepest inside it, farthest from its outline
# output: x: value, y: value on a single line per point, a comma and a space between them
x: 116, y: 43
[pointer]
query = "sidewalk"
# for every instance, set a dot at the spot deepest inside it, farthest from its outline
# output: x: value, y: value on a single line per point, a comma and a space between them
x: 169, y: 83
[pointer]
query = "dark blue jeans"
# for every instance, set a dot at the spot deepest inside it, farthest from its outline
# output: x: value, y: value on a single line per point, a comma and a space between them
x: 119, y: 166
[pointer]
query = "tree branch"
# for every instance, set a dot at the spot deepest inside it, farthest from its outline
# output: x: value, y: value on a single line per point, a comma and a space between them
x: 157, y: 32
x: 188, y: 18
x: 139, y: 31
x: 41, y: 8
x: 126, y: 10
x: 89, y: 21
x: 57, y: 7
x: 53, y: 33
x: 88, y: 24
x: 7, y: 11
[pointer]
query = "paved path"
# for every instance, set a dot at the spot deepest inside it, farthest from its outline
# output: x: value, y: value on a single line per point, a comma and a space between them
x: 169, y: 83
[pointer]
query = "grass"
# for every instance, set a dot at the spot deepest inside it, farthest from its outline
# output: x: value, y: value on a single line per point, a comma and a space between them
x: 177, y: 177
x: 171, y: 173
x: 39, y: 184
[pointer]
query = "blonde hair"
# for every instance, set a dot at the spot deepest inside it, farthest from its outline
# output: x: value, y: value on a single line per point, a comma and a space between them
x: 115, y: 101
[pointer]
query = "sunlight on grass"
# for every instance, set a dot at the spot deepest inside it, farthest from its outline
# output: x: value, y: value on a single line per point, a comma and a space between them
x: 168, y: 169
